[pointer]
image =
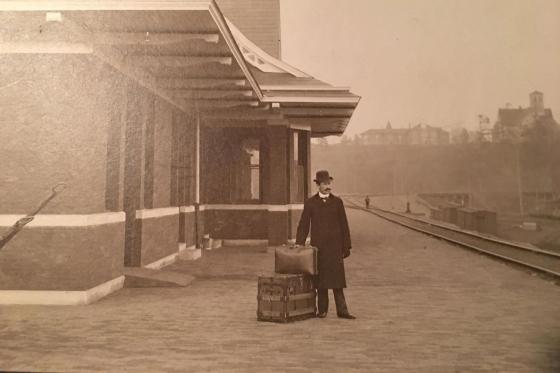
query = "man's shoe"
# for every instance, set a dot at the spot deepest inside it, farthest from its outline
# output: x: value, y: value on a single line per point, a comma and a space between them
x: 346, y: 316
x: 322, y: 315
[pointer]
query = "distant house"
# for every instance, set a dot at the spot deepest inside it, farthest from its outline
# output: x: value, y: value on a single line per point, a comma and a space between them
x: 420, y: 134
x: 512, y: 123
x: 385, y: 136
x: 423, y: 134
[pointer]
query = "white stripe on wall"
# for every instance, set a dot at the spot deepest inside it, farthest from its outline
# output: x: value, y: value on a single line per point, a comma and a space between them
x: 85, y: 220
x: 285, y: 207
x: 157, y: 213
x: 242, y: 242
x: 278, y: 207
x: 254, y: 207
x: 60, y: 297
x: 186, y: 209
x: 45, y: 48
x: 61, y: 5
x: 235, y: 207
x: 62, y: 220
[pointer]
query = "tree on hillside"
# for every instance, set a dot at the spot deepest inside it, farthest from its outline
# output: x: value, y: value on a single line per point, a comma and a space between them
x: 542, y: 145
x: 459, y: 136
x: 322, y: 141
x: 358, y: 140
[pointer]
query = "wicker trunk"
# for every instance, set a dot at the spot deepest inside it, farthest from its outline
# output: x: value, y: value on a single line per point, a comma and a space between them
x: 285, y: 297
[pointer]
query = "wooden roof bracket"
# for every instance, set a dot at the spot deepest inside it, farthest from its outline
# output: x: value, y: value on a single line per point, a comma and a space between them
x: 234, y: 48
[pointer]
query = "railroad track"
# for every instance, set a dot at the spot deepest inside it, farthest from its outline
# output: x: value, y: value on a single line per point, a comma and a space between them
x: 542, y: 261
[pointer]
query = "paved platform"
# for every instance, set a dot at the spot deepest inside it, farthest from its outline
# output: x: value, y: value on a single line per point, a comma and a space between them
x: 422, y: 306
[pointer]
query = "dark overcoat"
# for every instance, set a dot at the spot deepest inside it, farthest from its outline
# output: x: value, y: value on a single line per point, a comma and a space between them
x: 330, y: 234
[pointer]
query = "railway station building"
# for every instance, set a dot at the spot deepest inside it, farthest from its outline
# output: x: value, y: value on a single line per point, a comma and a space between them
x: 165, y: 123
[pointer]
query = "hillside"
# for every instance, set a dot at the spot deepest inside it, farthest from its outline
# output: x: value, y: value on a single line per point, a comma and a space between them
x: 488, y: 171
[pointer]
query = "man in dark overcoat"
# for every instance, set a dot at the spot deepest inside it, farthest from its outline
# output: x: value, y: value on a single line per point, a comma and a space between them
x: 324, y: 214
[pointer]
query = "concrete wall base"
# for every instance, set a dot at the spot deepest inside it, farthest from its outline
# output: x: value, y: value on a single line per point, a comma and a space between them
x: 184, y: 253
x: 60, y: 297
x: 245, y: 242
x: 189, y: 253
x: 170, y: 259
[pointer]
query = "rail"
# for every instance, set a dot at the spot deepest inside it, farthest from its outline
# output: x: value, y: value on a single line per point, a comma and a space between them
x: 527, y: 256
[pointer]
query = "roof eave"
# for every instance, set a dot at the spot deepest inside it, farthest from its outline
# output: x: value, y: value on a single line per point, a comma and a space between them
x: 313, y: 99
x: 144, y: 5
x: 85, y: 5
x: 221, y: 22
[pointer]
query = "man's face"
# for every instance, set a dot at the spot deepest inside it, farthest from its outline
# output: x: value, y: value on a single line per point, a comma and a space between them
x: 325, y: 186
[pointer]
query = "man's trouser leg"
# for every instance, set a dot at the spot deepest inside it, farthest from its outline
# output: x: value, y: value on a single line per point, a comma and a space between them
x: 322, y: 300
x: 341, y: 307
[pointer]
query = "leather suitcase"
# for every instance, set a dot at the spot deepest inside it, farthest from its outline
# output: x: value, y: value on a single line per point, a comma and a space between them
x: 289, y: 259
x: 285, y: 298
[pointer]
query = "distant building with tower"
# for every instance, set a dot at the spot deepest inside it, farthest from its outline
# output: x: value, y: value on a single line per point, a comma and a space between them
x: 512, y: 123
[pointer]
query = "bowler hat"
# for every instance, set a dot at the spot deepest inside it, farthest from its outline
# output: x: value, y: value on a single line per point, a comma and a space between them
x: 322, y: 175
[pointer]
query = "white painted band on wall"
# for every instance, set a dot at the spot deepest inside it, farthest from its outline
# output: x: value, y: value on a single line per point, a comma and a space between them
x: 45, y: 48
x: 254, y: 207
x: 235, y: 207
x: 278, y: 208
x: 61, y: 5
x: 285, y: 207
x: 60, y: 297
x: 61, y: 220
x: 157, y: 213
x: 189, y: 209
x: 242, y: 242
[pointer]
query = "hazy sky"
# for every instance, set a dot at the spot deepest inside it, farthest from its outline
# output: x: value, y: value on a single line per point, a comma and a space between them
x: 440, y: 62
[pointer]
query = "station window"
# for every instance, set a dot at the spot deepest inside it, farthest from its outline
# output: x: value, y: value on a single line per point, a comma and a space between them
x: 248, y: 180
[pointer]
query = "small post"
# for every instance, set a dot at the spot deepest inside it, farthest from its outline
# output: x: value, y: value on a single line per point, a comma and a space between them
x: 519, y: 181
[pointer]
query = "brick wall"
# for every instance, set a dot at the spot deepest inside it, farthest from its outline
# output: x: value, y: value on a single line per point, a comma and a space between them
x: 54, y: 124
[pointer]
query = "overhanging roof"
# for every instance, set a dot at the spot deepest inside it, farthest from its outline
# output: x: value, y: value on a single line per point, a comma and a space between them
x: 183, y: 50
x: 302, y: 99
